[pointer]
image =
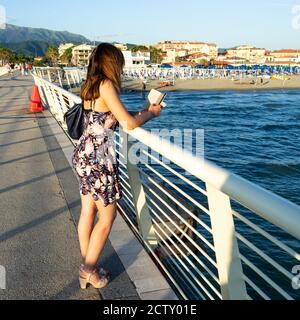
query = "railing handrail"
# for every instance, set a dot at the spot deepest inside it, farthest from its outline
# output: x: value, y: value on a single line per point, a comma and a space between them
x: 270, y: 206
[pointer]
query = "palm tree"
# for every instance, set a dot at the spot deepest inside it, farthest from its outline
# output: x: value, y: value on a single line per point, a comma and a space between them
x: 156, y: 55
x: 52, y: 55
x: 5, y: 56
x: 138, y: 48
x: 66, y: 57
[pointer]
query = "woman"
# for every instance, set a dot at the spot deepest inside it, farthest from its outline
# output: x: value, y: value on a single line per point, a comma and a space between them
x: 93, y: 157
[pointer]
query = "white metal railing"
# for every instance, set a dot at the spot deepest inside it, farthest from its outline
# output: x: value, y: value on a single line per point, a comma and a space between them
x: 201, y: 229
x: 64, y: 77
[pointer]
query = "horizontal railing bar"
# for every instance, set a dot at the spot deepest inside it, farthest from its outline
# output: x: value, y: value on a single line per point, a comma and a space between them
x: 182, y: 219
x: 123, y: 172
x: 126, y: 217
x: 128, y: 201
x: 192, y: 184
x: 176, y: 201
x: 196, y: 203
x: 186, y: 236
x: 176, y: 270
x: 266, y: 278
x: 190, y: 251
x: 128, y: 193
x: 277, y: 242
x: 256, y: 288
x: 264, y: 256
x: 127, y: 184
x: 179, y: 267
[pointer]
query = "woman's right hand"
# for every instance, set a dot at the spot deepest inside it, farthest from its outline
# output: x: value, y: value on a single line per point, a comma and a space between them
x: 155, y: 109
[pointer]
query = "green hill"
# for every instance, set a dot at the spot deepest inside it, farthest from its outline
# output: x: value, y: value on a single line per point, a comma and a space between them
x: 15, y: 34
x: 35, y: 41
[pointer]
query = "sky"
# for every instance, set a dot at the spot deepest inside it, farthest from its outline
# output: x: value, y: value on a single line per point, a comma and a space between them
x: 271, y: 24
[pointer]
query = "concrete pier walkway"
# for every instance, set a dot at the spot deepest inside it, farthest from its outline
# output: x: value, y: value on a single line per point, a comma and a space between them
x: 39, y: 208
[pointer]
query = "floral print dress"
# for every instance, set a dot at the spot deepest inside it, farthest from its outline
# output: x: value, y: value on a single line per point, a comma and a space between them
x: 95, y: 160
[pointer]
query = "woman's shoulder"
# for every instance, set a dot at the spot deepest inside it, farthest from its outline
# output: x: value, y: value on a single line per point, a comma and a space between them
x: 106, y: 83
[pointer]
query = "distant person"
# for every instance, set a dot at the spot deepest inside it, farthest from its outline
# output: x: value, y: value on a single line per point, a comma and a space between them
x: 28, y: 68
x: 144, y: 85
x: 11, y: 68
x: 94, y: 158
x: 21, y: 68
x: 24, y: 70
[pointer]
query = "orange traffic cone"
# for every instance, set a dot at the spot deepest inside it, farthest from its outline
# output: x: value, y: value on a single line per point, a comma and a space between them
x: 35, y: 105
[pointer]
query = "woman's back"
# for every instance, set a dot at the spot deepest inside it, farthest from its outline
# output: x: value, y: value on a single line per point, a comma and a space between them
x: 99, y: 105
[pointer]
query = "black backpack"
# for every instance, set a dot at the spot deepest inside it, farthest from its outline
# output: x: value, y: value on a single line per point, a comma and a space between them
x: 74, y: 119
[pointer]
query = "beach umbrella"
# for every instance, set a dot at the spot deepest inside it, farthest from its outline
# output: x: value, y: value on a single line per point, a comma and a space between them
x: 166, y: 66
x: 230, y: 67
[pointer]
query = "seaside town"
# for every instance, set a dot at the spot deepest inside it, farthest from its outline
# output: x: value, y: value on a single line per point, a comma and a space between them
x: 175, y: 65
x: 180, y: 53
x: 176, y: 53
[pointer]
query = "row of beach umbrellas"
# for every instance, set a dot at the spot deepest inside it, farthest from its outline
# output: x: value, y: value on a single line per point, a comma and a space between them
x: 259, y: 68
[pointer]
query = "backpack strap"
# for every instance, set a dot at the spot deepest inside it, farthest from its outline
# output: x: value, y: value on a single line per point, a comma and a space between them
x: 93, y: 103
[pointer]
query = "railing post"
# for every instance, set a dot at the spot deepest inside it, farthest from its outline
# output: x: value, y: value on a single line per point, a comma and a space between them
x: 49, y: 75
x: 229, y: 264
x: 143, y: 215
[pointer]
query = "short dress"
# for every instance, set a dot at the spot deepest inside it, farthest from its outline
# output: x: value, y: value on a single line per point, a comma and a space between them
x: 95, y: 160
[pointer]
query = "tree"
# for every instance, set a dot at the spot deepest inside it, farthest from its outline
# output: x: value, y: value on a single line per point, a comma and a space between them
x: 156, y: 55
x: 38, y: 63
x: 67, y: 56
x: 204, y: 62
x: 52, y: 55
x: 139, y: 48
x: 5, y: 55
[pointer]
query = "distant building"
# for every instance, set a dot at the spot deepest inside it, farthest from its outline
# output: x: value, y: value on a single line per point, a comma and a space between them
x: 248, y: 53
x: 177, y: 48
x: 284, y: 56
x: 121, y: 46
x: 235, y: 61
x: 63, y: 47
x: 198, y: 57
x: 171, y: 55
x: 136, y: 59
x: 81, y: 54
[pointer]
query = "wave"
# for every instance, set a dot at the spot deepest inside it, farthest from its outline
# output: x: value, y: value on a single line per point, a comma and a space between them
x: 273, y: 105
x: 279, y: 168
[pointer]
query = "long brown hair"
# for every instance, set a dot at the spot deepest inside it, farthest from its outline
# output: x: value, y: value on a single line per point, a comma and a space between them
x: 106, y: 63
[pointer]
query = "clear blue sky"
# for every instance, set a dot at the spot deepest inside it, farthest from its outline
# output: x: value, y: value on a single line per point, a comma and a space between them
x: 263, y: 23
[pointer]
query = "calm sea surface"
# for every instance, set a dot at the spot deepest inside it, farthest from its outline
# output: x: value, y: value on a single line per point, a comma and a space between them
x: 254, y: 134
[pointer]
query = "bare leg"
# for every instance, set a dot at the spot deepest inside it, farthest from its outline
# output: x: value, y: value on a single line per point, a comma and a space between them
x: 86, y: 223
x: 100, y: 233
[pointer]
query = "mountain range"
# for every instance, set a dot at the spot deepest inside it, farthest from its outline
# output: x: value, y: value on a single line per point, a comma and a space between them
x: 35, y: 41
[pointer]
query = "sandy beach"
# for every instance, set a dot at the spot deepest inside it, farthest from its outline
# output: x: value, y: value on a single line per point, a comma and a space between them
x: 215, y: 84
